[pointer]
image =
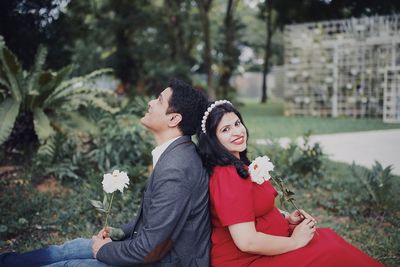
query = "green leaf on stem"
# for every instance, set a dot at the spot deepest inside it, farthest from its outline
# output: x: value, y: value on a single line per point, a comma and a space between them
x: 101, y: 210
x: 97, y: 204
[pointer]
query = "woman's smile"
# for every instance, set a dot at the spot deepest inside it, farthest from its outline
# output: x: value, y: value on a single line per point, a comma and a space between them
x: 238, y: 141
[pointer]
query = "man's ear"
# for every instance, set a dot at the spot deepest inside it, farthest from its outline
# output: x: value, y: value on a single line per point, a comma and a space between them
x: 174, y: 120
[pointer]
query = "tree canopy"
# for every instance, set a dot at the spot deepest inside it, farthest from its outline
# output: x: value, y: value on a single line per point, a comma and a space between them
x: 146, y: 42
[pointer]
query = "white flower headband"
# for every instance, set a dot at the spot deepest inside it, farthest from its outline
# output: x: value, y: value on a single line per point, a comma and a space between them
x: 208, y: 111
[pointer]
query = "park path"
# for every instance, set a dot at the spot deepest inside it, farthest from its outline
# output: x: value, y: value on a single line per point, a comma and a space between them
x: 361, y: 147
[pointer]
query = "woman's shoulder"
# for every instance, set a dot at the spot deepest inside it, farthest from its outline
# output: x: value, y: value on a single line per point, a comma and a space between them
x: 223, y: 170
x: 226, y: 185
x: 227, y: 174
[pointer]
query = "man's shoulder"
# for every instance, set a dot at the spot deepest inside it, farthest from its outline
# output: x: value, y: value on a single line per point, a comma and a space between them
x: 182, y: 158
x: 185, y: 149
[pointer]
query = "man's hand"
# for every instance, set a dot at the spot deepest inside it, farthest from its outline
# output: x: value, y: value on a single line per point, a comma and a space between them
x: 111, y: 232
x: 98, y: 242
x: 104, y: 233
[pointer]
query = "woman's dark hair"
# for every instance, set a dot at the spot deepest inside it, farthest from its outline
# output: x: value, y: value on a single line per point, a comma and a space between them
x: 212, y: 152
x: 188, y: 102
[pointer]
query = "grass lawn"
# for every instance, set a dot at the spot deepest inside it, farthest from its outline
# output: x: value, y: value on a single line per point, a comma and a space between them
x: 335, y: 202
x: 33, y: 215
x: 378, y: 235
x: 267, y: 121
x: 50, y: 213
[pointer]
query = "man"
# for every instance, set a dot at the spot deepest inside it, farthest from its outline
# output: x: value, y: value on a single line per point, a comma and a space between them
x: 172, y: 228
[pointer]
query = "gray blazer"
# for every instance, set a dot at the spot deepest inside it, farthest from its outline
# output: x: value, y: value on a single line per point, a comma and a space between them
x: 173, y: 224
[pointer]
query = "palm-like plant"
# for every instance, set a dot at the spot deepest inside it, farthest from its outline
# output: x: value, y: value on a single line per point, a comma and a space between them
x: 36, y: 104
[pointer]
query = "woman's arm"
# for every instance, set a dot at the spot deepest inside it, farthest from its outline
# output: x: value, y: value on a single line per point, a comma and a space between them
x: 248, y: 240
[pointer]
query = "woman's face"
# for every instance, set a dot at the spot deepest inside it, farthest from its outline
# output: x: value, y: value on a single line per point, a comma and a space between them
x: 231, y: 133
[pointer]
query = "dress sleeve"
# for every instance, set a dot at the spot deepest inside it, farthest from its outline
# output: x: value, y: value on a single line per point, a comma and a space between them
x: 231, y: 196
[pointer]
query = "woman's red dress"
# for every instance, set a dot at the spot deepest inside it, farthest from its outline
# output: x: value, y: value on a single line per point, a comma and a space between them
x: 236, y: 200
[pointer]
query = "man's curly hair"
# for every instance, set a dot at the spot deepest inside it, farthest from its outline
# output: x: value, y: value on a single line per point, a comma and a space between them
x: 188, y: 102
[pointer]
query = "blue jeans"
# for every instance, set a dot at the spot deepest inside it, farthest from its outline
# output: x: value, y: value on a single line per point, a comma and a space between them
x: 77, y: 252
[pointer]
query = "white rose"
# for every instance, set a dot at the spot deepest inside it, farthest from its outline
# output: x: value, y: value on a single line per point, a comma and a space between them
x: 115, y: 181
x: 258, y: 180
x: 259, y: 169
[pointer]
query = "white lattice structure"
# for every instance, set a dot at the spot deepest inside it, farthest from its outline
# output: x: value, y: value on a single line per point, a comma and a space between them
x: 344, y: 68
x: 391, y: 94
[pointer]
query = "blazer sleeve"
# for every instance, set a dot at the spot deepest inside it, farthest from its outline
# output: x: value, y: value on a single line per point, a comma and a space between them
x: 128, y: 227
x: 167, y: 212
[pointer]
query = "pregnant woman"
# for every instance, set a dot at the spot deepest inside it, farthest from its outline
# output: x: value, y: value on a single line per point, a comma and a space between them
x: 247, y: 228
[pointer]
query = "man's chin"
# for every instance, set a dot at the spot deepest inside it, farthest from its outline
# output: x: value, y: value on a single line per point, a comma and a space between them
x: 144, y: 123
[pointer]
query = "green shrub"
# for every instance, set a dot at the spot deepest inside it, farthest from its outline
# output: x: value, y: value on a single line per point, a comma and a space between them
x: 36, y: 104
x: 376, y: 187
x: 360, y: 191
x: 121, y: 147
x: 78, y: 164
x: 64, y: 162
x: 299, y: 165
x: 121, y: 143
x: 136, y: 106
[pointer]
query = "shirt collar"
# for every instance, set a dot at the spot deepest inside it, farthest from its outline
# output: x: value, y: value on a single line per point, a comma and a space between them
x: 158, y: 150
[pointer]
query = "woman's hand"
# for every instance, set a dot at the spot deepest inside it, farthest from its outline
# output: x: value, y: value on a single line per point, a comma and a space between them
x: 298, y: 216
x: 295, y: 217
x: 304, y: 232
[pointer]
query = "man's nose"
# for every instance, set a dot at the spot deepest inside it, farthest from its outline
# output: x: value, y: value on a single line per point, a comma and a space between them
x: 151, y: 103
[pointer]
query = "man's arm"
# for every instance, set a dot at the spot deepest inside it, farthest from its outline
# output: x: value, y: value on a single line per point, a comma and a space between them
x: 128, y: 227
x: 98, y: 242
x: 167, y: 212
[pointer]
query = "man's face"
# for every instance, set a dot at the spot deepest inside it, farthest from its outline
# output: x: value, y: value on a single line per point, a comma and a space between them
x: 156, y: 118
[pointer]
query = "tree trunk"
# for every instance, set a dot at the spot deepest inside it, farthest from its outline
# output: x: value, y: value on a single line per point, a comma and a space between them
x: 268, y: 24
x: 204, y: 8
x: 228, y: 61
x: 174, y: 29
x: 23, y: 141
